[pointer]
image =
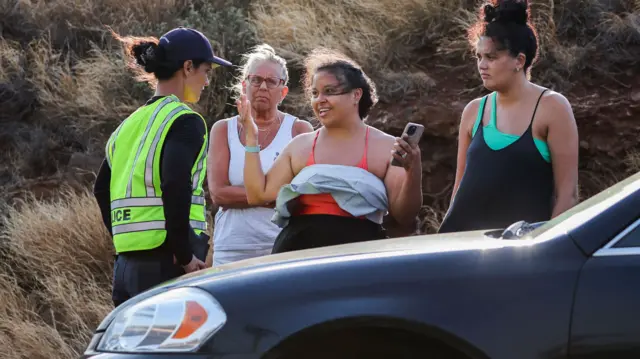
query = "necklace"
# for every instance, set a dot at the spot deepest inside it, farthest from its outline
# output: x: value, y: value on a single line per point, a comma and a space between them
x: 268, y: 126
x: 268, y: 129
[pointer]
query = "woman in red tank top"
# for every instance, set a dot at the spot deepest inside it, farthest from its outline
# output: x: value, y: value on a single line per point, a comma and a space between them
x: 324, y: 203
x: 341, y: 97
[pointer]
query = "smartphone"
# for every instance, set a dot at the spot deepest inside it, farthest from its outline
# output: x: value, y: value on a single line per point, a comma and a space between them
x: 414, y: 131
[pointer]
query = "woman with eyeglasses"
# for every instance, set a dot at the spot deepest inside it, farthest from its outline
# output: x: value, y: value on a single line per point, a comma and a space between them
x: 336, y: 184
x: 243, y: 230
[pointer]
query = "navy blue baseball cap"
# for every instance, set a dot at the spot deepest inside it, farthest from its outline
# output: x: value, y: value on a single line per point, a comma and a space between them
x: 181, y: 44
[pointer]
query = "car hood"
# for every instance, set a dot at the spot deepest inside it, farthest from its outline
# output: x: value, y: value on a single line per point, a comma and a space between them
x: 432, y: 243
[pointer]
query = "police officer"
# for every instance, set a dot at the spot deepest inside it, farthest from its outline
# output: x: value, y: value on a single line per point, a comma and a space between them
x: 149, y: 187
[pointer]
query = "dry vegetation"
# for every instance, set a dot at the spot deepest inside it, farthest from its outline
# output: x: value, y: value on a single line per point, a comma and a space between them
x: 64, y: 88
x: 56, y: 264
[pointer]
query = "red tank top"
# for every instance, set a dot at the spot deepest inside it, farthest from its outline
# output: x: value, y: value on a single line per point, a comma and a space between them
x: 323, y: 203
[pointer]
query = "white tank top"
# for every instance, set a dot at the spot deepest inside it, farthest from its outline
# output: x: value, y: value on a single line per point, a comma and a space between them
x: 249, y: 228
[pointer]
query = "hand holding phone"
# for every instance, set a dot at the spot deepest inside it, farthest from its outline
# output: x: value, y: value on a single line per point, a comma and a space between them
x: 412, y: 134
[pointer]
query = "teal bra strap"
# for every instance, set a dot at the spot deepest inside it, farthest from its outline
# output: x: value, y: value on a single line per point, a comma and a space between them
x: 479, y: 116
x: 494, y: 106
x: 497, y: 140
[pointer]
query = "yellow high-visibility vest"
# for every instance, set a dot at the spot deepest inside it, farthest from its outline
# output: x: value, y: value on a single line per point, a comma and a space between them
x: 133, y: 154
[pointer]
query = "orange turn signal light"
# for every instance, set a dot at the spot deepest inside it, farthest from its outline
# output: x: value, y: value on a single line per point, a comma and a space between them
x: 194, y: 317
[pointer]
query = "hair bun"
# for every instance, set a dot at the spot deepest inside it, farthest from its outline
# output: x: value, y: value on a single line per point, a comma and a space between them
x: 146, y: 55
x: 508, y: 11
x: 489, y: 13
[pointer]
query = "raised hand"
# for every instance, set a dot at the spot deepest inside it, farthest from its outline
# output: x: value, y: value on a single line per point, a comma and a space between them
x: 245, y: 118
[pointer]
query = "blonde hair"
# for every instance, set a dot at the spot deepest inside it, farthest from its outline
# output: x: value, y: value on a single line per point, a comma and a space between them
x: 258, y: 54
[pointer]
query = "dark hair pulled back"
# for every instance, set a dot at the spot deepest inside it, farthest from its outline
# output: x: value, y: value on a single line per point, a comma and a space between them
x: 507, y: 23
x: 148, y: 59
x: 347, y: 72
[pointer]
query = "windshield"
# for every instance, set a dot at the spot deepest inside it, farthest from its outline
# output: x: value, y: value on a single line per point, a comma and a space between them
x: 593, y: 206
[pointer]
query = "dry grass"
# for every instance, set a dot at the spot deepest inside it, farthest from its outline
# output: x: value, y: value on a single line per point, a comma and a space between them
x: 23, y: 334
x: 64, y: 87
x: 376, y: 34
x: 633, y: 161
x: 580, y: 37
x: 56, y: 277
x: 575, y: 35
x: 389, y: 39
x: 89, y: 88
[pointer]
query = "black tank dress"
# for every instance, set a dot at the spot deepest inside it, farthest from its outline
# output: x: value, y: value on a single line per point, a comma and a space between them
x: 501, y: 187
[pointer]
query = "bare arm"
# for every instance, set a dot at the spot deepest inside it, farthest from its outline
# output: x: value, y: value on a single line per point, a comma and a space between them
x: 464, y: 139
x: 563, y: 145
x: 221, y: 191
x: 262, y: 188
x: 404, y: 185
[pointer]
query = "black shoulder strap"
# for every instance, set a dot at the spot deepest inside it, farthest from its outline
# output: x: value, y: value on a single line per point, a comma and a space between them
x: 536, y: 108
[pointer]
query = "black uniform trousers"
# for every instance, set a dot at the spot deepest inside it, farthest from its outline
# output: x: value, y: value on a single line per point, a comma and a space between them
x: 135, y: 272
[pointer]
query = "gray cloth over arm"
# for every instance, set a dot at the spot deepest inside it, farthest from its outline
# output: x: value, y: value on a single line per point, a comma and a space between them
x: 356, y: 191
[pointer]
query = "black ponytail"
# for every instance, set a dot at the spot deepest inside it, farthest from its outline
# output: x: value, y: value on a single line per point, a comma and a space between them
x: 148, y: 59
x: 145, y: 54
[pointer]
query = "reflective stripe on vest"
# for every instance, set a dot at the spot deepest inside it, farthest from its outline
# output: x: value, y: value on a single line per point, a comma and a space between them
x: 137, y: 209
x: 111, y: 145
x: 151, y: 225
x: 148, y: 171
x: 148, y: 202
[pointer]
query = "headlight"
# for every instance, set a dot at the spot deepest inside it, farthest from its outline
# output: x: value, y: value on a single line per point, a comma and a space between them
x: 179, y: 320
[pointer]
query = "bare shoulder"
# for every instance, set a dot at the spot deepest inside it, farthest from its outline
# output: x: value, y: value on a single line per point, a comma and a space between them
x: 302, y: 140
x: 469, y: 115
x: 472, y: 107
x: 380, y: 147
x: 220, y: 125
x: 555, y: 109
x: 301, y: 126
x: 305, y: 137
x: 299, y: 149
x: 380, y: 140
x: 380, y: 136
x: 555, y: 101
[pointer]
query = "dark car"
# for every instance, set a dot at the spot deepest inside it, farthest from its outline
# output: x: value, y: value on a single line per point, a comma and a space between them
x: 569, y: 288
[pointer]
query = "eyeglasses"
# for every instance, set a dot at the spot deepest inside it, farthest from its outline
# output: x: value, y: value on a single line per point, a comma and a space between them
x: 257, y: 81
x: 331, y: 91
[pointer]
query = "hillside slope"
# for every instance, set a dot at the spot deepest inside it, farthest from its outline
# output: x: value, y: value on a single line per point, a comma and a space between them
x: 64, y: 88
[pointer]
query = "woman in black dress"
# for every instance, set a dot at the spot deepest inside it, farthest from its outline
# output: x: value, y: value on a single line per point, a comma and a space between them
x: 518, y: 146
